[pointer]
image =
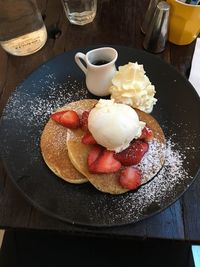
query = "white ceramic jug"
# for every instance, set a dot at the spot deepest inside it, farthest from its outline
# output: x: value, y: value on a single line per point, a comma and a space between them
x: 99, y: 69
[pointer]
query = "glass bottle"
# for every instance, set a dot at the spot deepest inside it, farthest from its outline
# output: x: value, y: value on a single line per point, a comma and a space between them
x: 22, y: 30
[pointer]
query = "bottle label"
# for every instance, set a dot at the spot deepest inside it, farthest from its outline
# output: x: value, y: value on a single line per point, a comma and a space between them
x: 26, y: 44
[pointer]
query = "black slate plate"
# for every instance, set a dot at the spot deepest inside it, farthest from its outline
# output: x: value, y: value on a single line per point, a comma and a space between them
x: 60, y: 81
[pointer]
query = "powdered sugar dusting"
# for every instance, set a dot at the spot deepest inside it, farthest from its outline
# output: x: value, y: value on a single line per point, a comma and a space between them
x: 31, y: 104
x: 152, y: 161
x: 132, y: 205
x: 34, y: 107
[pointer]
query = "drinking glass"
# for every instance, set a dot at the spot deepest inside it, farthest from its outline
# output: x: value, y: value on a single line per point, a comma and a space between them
x: 80, y: 12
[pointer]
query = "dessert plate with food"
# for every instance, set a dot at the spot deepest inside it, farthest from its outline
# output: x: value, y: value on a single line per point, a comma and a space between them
x: 102, y: 161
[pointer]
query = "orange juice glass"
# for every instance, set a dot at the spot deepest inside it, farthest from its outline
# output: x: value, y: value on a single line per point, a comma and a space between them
x: 184, y: 22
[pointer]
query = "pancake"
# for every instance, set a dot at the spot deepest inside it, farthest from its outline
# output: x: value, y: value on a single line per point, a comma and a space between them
x: 150, y: 165
x: 54, y: 149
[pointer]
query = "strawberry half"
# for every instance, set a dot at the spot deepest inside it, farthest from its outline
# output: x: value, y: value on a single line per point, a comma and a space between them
x: 84, y: 120
x: 88, y: 139
x: 105, y: 163
x: 133, y: 154
x: 130, y: 178
x: 67, y: 118
x: 147, y: 134
x: 94, y: 154
x: 57, y: 115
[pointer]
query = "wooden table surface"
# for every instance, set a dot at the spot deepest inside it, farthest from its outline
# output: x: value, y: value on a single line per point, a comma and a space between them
x: 117, y: 22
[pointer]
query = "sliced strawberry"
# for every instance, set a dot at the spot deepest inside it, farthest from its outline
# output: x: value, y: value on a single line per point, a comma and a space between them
x: 133, y: 154
x: 84, y: 120
x: 94, y: 154
x: 105, y: 163
x: 147, y: 134
x: 130, y: 178
x: 70, y: 119
x: 88, y: 139
x: 67, y: 118
x: 57, y: 115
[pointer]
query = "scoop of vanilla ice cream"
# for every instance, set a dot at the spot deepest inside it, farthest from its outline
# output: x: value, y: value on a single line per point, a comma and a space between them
x: 131, y: 86
x: 114, y: 125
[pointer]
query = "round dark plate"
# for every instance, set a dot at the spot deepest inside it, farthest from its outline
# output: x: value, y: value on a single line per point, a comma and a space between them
x: 60, y: 81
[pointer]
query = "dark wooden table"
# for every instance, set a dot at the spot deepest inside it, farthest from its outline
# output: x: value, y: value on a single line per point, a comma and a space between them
x: 117, y: 22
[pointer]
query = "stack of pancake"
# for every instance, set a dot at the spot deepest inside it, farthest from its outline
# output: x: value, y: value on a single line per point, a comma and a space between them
x: 66, y: 155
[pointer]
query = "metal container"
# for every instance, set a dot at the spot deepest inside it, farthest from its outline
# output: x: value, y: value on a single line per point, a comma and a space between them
x: 157, y: 34
x: 149, y: 15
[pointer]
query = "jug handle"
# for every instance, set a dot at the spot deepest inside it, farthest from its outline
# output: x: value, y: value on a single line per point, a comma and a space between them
x: 79, y: 56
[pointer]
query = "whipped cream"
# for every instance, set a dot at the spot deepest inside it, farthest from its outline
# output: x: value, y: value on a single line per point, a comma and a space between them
x: 114, y: 125
x: 131, y: 86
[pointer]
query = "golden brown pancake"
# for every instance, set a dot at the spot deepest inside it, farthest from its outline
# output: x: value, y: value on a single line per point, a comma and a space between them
x: 54, y: 149
x: 154, y: 159
x: 150, y: 165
